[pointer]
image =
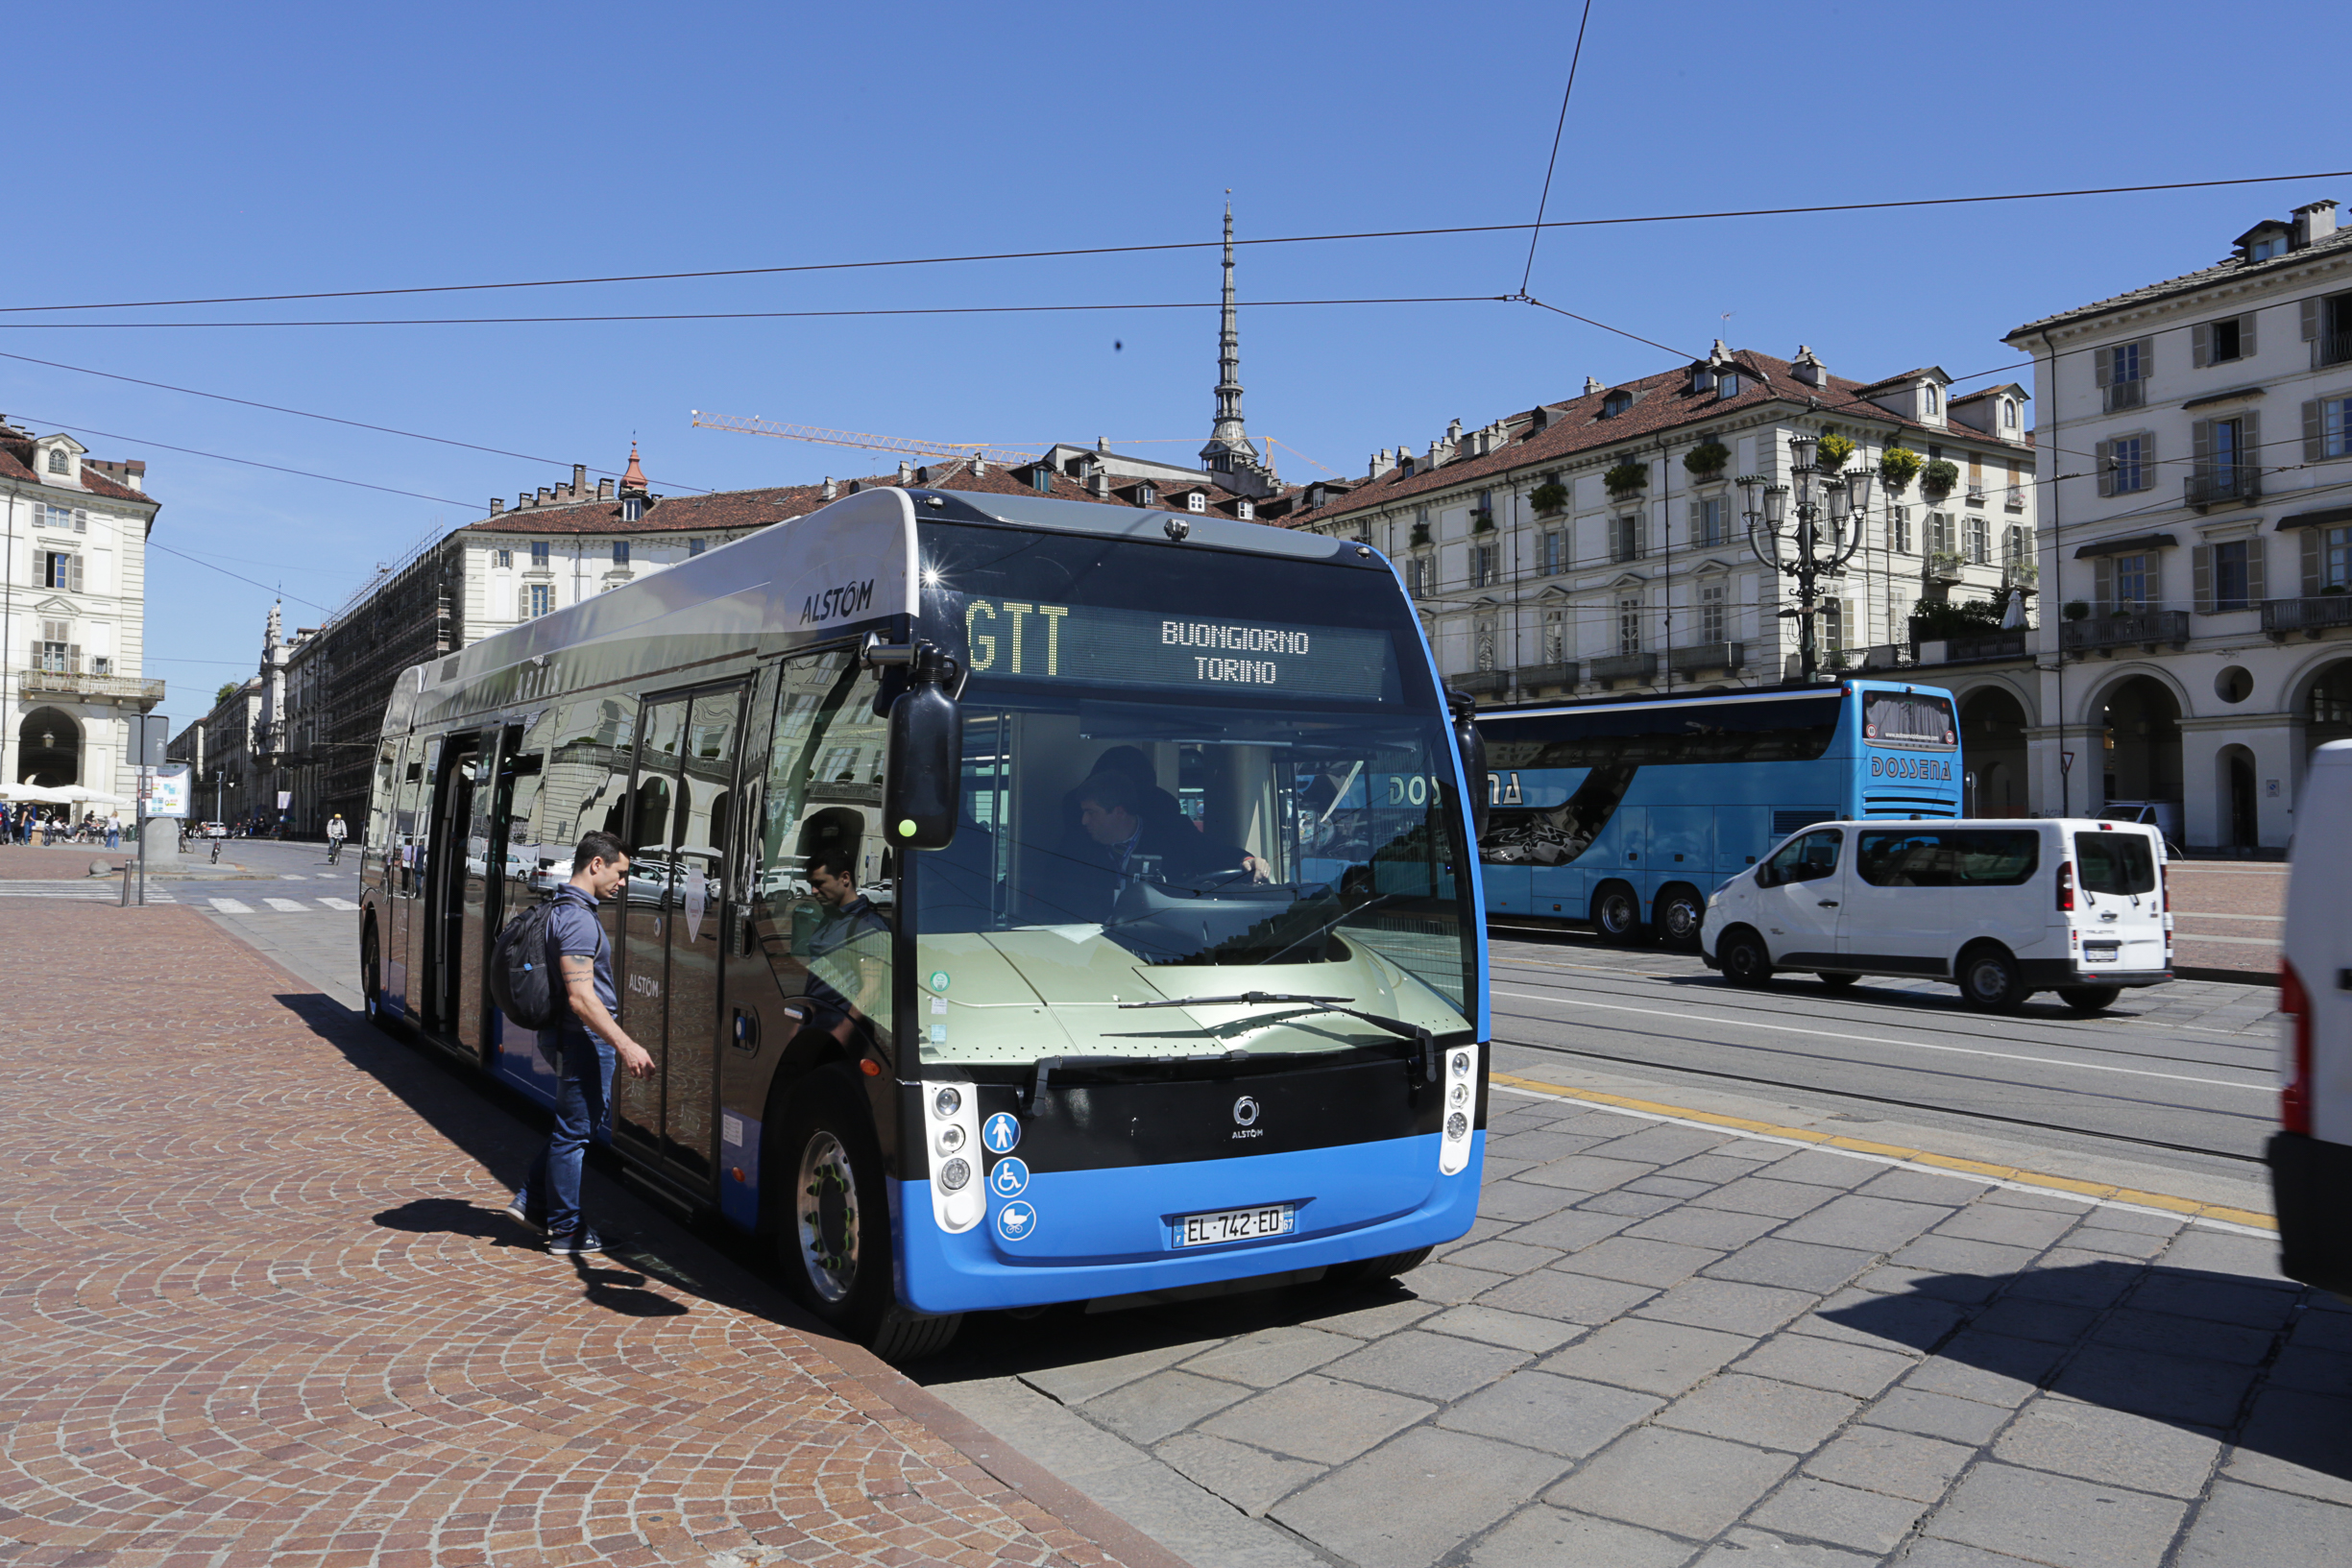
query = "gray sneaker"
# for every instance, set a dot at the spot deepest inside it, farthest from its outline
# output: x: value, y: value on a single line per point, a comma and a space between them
x: 585, y: 1239
x: 520, y: 1216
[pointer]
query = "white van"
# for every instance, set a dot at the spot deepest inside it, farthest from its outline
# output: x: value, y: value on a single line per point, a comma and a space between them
x: 2311, y: 1155
x: 2002, y: 908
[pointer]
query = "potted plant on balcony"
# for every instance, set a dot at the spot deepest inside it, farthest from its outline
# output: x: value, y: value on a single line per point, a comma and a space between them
x: 1420, y: 534
x: 1832, y: 452
x: 1898, y: 467
x: 1626, y: 477
x: 1706, y: 460
x: 1482, y: 520
x: 1549, y: 497
x: 2077, y: 609
x: 1936, y: 481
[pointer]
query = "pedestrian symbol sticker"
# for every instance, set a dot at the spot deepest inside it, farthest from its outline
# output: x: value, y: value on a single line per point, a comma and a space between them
x: 1008, y: 1178
x: 1016, y: 1220
x: 938, y: 979
x: 1000, y: 1133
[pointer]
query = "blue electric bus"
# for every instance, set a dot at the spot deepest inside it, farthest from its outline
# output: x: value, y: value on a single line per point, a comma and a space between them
x: 1627, y: 814
x: 1029, y: 902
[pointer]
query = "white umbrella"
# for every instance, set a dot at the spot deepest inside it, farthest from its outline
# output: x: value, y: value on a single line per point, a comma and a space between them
x: 40, y: 795
x: 96, y: 797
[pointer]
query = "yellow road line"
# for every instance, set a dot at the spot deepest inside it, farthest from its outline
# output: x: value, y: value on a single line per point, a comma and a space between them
x: 2005, y: 1175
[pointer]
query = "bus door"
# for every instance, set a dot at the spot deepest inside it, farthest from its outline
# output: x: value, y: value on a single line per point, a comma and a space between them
x: 700, y: 854
x: 643, y: 978
x: 412, y: 836
x: 452, y: 879
x: 484, y: 898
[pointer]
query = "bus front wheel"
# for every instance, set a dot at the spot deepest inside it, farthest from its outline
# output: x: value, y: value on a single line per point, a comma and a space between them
x: 1616, y: 914
x: 1680, y: 912
x: 832, y: 1223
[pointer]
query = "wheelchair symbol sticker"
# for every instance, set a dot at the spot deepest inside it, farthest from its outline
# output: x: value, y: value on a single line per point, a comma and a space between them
x: 1008, y: 1178
x: 1000, y: 1133
x: 1016, y: 1220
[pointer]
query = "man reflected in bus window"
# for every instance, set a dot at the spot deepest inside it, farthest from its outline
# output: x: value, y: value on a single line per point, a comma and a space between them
x: 848, y: 952
x: 584, y: 1042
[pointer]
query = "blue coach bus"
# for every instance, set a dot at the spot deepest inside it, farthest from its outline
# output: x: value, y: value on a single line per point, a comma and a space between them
x: 1029, y: 902
x: 1627, y: 814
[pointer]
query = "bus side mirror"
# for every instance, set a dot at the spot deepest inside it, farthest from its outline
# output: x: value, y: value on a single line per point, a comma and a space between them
x: 919, y: 787
x: 1473, y: 749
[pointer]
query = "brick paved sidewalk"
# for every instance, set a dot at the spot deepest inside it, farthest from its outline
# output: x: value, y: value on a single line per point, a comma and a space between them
x: 260, y: 1309
x: 2227, y: 917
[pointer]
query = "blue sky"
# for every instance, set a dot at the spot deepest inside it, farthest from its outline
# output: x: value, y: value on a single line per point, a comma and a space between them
x: 258, y: 149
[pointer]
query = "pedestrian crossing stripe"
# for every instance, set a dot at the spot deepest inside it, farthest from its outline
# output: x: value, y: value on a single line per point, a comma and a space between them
x: 339, y: 904
x: 292, y: 907
x: 230, y: 906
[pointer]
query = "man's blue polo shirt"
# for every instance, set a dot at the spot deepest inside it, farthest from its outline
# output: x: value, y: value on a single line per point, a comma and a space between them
x: 573, y: 931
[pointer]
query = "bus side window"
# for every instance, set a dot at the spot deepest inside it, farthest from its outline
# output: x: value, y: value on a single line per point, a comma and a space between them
x: 405, y: 819
x: 585, y: 783
x: 526, y: 858
x: 380, y: 799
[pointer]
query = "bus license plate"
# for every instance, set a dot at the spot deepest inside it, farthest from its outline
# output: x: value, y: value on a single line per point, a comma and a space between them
x: 1236, y: 1225
x: 2101, y: 953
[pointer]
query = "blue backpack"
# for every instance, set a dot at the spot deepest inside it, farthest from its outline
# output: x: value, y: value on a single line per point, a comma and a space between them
x: 522, y: 975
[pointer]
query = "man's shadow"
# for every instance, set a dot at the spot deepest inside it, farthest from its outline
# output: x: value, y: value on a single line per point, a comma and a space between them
x: 614, y: 1289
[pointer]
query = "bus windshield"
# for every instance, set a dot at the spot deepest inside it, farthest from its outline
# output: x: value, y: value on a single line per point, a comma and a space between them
x: 1160, y: 806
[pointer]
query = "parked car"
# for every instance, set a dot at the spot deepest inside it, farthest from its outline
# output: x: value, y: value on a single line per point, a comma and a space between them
x: 2161, y: 815
x: 2002, y: 908
x: 2310, y: 1154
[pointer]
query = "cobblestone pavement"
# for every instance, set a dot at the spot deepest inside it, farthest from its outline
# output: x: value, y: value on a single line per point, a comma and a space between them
x: 1667, y: 1344
x: 261, y: 1309
x: 2227, y: 917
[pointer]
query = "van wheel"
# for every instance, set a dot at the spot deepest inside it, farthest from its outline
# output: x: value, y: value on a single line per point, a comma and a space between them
x: 831, y: 1225
x: 1680, y: 910
x: 1744, y: 957
x: 1838, y: 982
x: 1989, y: 980
x: 1616, y: 913
x: 2089, y: 999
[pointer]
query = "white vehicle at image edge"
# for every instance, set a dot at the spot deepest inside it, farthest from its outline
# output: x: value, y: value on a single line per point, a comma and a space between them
x: 2002, y: 908
x: 2310, y: 1154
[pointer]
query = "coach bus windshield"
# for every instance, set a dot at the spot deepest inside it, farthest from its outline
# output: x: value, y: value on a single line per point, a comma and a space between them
x: 1162, y: 806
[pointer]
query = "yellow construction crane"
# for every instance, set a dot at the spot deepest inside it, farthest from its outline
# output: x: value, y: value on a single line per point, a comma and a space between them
x: 903, y: 446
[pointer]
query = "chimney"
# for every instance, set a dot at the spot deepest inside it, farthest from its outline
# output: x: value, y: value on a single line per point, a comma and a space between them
x: 604, y: 489
x: 832, y: 491
x: 1434, y: 459
x: 1098, y: 484
x: 1808, y: 368
x: 980, y: 467
x: 905, y: 472
x: 579, y: 481
x: 1453, y: 431
x: 546, y: 494
x: 2314, y: 222
x: 1101, y: 444
x: 497, y: 504
x: 1593, y: 384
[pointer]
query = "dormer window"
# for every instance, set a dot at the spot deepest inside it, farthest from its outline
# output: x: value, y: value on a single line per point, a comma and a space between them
x: 632, y: 509
x: 1243, y: 509
x: 1928, y: 390
x: 1146, y: 494
x: 1616, y: 403
x: 1316, y: 495
x: 2009, y: 413
x: 58, y: 461
x: 1726, y: 385
x: 1702, y: 379
x: 1041, y: 479
x: 1196, y: 502
x: 2262, y: 250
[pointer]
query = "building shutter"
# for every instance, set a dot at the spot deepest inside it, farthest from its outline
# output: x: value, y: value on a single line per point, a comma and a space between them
x: 2104, y: 359
x: 2102, y: 584
x: 2249, y: 441
x: 2245, y: 335
x: 1696, y: 524
x: 2147, y: 461
x: 2200, y: 570
x: 2310, y: 320
x: 2255, y: 549
x: 2104, y: 460
x: 74, y: 562
x: 2201, y: 446
x: 2310, y: 563
x: 2313, y: 432
x: 73, y: 658
x: 2155, y: 580
x: 2200, y: 345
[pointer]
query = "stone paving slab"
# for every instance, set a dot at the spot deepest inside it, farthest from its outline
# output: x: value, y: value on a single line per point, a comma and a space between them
x: 260, y: 1308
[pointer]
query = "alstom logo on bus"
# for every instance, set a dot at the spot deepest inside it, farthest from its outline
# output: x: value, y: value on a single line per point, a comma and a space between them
x: 1911, y: 767
x: 848, y: 599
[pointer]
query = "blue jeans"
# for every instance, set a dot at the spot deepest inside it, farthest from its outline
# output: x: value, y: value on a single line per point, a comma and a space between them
x: 583, y: 1108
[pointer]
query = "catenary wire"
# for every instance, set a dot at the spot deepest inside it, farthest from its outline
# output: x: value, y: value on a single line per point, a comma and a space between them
x: 1191, y: 245
x: 266, y: 587
x: 1553, y: 162
x: 251, y: 463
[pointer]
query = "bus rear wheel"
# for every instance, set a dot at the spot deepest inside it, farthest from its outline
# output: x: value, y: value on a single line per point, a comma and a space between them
x: 832, y: 1223
x: 1616, y: 914
x: 1680, y: 912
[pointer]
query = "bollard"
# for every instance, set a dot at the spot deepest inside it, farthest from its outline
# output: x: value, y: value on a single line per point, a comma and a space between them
x: 125, y: 902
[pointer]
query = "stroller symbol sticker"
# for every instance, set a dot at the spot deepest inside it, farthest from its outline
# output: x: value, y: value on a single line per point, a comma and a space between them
x: 1016, y: 1220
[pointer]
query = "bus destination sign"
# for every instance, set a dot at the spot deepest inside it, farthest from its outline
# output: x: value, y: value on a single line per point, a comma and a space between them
x: 1034, y: 640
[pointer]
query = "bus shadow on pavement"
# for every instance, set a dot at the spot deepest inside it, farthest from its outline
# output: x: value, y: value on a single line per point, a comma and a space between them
x: 2260, y: 1363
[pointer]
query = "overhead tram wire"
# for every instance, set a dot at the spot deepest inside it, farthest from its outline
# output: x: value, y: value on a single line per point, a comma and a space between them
x: 267, y: 588
x: 251, y: 463
x: 1184, y: 245
x: 1553, y: 162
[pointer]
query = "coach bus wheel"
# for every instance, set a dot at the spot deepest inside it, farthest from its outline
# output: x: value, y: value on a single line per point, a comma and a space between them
x: 1744, y: 957
x: 1680, y: 910
x: 833, y: 1231
x: 1616, y: 913
x: 1371, y: 1270
x: 1989, y: 980
x: 2089, y: 999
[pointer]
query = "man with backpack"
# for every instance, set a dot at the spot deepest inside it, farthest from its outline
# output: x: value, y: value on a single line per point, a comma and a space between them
x: 583, y: 1040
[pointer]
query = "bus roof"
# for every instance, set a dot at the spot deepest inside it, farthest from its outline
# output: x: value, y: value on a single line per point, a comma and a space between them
x: 1775, y: 693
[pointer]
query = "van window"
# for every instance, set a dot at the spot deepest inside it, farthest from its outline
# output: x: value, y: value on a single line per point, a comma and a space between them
x: 1950, y: 857
x: 2115, y: 862
x: 1806, y: 859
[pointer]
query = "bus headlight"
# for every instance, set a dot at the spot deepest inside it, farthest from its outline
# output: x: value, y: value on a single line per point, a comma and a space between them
x: 1459, y: 1096
x: 1462, y: 1064
x: 946, y: 1102
x: 950, y: 1138
x: 955, y: 1174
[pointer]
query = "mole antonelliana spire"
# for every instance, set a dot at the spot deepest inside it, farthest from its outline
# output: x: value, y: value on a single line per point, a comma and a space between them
x: 1228, y: 453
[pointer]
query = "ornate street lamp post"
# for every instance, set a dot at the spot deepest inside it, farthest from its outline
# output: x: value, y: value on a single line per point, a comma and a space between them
x: 1813, y: 552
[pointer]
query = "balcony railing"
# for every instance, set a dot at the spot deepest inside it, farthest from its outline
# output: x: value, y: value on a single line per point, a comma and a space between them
x: 2144, y: 627
x: 1533, y: 676
x: 2334, y: 348
x: 2226, y: 484
x: 1945, y: 565
x: 1962, y: 651
x: 2124, y: 395
x: 1706, y: 656
x: 2283, y: 618
x: 1976, y: 495
x: 2014, y: 497
x: 55, y: 684
x: 1626, y: 666
x: 1481, y: 682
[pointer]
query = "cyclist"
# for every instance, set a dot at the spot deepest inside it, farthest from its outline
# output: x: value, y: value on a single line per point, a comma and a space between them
x: 336, y: 832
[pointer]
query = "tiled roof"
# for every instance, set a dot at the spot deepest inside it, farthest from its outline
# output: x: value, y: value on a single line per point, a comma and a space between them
x: 1663, y: 401
x: 2231, y: 270
x: 16, y: 463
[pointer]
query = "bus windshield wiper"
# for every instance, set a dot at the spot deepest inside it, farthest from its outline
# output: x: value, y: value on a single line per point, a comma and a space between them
x: 1426, y: 1059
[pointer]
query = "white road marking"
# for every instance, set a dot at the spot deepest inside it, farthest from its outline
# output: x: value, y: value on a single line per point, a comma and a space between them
x: 339, y: 904
x: 292, y: 876
x: 230, y: 906
x: 1908, y: 1045
x: 2192, y: 914
x: 2179, y: 937
x: 291, y: 907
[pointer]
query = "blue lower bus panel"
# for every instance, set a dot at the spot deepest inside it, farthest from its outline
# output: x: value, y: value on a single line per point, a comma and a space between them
x: 1080, y: 1235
